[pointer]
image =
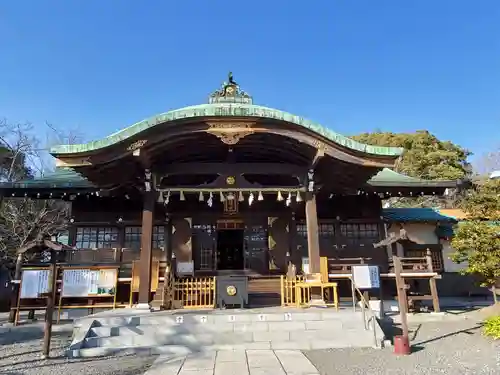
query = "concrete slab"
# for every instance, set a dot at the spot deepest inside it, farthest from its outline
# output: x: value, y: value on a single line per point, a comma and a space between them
x: 294, y: 362
x: 235, y: 362
x: 231, y: 368
x: 231, y: 356
x: 192, y: 364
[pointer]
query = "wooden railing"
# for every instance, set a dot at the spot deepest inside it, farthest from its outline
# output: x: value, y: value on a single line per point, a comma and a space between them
x: 288, y: 290
x: 339, y: 265
x: 416, y: 264
x: 115, y: 255
x: 195, y: 292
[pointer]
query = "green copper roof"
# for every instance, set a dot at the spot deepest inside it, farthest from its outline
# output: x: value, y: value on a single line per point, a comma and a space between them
x: 387, y: 177
x: 226, y: 110
x: 62, y: 178
x: 416, y: 215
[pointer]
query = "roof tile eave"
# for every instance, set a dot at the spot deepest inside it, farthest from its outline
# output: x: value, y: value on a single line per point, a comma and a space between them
x: 208, y: 110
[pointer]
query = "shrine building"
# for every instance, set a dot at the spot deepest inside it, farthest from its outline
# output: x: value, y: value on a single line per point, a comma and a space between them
x: 227, y: 187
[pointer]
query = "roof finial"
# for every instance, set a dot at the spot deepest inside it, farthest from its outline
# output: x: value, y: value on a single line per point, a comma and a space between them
x: 230, y: 79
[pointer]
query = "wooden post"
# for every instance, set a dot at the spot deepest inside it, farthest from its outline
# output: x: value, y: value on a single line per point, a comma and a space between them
x: 312, y: 233
x: 428, y: 259
x: 434, y: 294
x: 49, y: 312
x: 15, y: 288
x: 402, y: 299
x: 292, y: 233
x: 146, y: 256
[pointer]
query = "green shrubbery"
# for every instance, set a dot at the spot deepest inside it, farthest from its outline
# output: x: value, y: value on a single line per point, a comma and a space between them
x: 492, y: 327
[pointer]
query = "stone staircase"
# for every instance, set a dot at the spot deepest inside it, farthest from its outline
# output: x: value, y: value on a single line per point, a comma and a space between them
x: 182, y: 332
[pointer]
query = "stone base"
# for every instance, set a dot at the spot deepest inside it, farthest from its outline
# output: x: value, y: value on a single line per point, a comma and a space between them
x: 317, y: 302
x: 143, y: 306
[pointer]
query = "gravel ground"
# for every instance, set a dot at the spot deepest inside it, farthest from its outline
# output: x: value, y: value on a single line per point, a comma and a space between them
x: 454, y: 347
x: 20, y: 354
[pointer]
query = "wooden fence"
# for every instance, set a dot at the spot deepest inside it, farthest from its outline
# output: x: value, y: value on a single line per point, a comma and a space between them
x: 195, y: 292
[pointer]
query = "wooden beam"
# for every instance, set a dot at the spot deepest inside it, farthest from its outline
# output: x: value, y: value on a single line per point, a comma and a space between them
x: 312, y: 233
x: 320, y: 152
x: 230, y: 169
x: 73, y: 162
x: 146, y: 256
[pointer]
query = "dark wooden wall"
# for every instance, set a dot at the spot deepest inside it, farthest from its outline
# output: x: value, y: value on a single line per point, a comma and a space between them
x: 281, y: 221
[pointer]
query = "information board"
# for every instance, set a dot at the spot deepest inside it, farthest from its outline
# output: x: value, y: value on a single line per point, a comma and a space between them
x: 89, y: 282
x: 185, y: 268
x: 366, y: 276
x: 34, y: 283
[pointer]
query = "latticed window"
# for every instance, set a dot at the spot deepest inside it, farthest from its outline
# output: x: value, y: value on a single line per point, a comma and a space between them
x: 356, y: 233
x: 97, y: 238
x: 203, y: 245
x: 133, y: 237
x: 326, y: 230
x: 302, y: 230
x: 158, y: 237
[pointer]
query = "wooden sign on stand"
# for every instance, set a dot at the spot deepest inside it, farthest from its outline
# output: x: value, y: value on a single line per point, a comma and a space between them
x: 35, y: 285
x: 88, y: 282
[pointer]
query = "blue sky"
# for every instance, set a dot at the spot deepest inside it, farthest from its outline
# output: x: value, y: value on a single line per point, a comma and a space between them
x: 351, y: 65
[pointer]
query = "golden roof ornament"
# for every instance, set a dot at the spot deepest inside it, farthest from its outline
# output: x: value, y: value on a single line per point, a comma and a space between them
x: 230, y: 92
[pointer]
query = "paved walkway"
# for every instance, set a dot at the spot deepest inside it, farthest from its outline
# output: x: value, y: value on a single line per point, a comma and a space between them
x: 229, y: 362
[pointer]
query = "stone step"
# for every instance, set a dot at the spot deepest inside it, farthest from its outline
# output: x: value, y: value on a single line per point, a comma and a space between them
x: 228, y: 316
x: 255, y: 340
x: 222, y: 330
x: 327, y: 326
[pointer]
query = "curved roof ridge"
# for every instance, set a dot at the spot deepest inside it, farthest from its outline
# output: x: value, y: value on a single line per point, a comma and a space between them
x: 226, y: 110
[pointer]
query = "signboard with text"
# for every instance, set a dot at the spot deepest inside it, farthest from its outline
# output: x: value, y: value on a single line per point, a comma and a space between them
x: 366, y: 276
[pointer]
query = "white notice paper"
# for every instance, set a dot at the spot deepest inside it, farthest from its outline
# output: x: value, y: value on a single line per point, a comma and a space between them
x: 76, y: 283
x: 366, y: 277
x: 34, y: 283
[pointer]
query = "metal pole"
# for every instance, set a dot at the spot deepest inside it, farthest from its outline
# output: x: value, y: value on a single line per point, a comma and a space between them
x: 47, y: 331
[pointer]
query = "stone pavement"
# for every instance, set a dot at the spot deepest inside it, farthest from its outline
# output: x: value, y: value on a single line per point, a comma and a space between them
x: 236, y: 362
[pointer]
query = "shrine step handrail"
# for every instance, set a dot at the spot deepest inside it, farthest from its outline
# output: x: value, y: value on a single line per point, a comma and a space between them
x: 371, y: 319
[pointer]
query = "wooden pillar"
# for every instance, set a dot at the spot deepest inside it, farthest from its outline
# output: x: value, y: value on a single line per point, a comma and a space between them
x: 312, y: 233
x: 434, y: 294
x: 146, y: 256
x: 292, y: 232
x: 402, y: 298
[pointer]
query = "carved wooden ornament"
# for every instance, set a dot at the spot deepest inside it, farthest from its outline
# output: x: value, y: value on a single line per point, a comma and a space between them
x: 230, y: 133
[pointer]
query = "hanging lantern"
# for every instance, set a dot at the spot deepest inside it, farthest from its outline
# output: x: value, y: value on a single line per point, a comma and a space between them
x: 210, y: 200
x: 298, y: 198
x: 182, y: 197
x: 241, y: 197
x: 280, y: 197
x: 230, y: 196
x: 288, y: 199
x: 201, y: 198
x: 250, y: 199
x: 260, y: 197
x: 222, y: 199
x: 167, y: 198
x: 160, y: 198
